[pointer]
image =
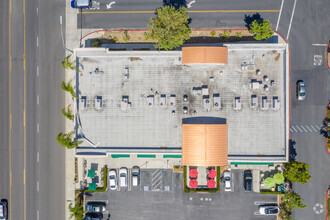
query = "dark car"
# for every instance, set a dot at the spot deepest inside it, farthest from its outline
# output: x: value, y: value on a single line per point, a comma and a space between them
x: 3, y: 209
x: 93, y: 216
x: 95, y: 207
x: 247, y: 180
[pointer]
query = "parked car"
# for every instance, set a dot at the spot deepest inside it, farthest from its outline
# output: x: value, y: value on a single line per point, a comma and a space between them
x: 247, y: 180
x: 135, y: 175
x: 301, y: 90
x: 95, y: 207
x: 3, y: 209
x: 93, y: 216
x: 123, y: 177
x: 113, y: 179
x: 227, y: 177
x: 269, y: 209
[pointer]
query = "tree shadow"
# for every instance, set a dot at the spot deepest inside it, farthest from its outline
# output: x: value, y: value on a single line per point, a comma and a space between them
x: 175, y: 3
x: 292, y: 150
x: 248, y: 19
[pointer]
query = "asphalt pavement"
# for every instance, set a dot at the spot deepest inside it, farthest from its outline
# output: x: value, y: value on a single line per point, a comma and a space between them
x: 310, y: 26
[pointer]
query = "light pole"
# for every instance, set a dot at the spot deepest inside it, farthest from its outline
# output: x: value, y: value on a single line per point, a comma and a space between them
x: 63, y: 37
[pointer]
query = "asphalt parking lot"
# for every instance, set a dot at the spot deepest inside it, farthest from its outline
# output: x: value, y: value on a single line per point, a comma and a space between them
x: 160, y: 195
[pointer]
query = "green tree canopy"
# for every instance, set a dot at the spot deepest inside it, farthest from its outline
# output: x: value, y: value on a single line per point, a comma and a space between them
x: 66, y: 140
x: 77, y: 211
x: 170, y: 28
x: 269, y: 182
x: 68, y: 88
x: 293, y: 200
x: 67, y: 64
x: 279, y: 178
x: 68, y: 113
x: 261, y: 30
x: 297, y: 172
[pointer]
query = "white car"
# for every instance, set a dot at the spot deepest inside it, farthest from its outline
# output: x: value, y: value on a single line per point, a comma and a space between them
x: 123, y: 177
x: 113, y: 179
x: 269, y: 209
x: 227, y: 177
x: 135, y: 175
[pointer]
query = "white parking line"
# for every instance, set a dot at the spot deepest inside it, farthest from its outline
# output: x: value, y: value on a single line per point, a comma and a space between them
x: 309, y: 129
x: 279, y: 15
x: 293, y: 10
x: 298, y: 129
x: 320, y: 45
x: 293, y: 128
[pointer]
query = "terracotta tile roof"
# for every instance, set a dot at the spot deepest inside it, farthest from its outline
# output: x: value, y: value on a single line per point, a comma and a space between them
x: 215, y: 55
x: 204, y: 145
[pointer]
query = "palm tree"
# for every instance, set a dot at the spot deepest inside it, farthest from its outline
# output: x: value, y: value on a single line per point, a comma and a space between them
x: 66, y: 140
x: 67, y: 64
x: 68, y: 113
x: 68, y: 88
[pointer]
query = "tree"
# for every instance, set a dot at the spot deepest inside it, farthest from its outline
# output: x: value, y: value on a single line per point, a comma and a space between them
x: 68, y: 88
x: 296, y: 172
x: 66, y: 140
x: 239, y: 35
x: 225, y: 34
x: 261, y: 30
x: 67, y: 64
x: 68, y: 113
x: 77, y: 211
x: 293, y: 200
x: 170, y: 28
x: 278, y: 178
x: 269, y: 182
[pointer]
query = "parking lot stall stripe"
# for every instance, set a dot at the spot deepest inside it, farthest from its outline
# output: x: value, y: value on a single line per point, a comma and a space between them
x: 146, y: 156
x: 120, y: 155
x: 172, y: 156
x: 299, y: 129
x: 302, y: 126
x: 309, y: 129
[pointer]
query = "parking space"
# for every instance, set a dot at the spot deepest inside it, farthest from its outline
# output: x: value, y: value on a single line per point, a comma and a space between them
x: 161, y: 192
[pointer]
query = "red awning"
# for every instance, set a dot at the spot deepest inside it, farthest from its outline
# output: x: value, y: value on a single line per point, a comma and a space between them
x: 212, y: 173
x: 193, y: 183
x: 211, y: 183
x: 193, y: 173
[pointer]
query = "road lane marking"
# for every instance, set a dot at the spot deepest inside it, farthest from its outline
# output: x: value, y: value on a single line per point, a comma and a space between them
x: 320, y: 45
x: 293, y: 10
x: 37, y: 70
x: 279, y: 15
x: 37, y: 157
x: 10, y: 120
x: 304, y: 129
x: 190, y: 3
x: 37, y: 41
x: 24, y: 144
x: 37, y: 99
x: 151, y: 12
x: 37, y: 11
x: 24, y: 118
x: 38, y: 214
x: 38, y: 128
x: 38, y: 186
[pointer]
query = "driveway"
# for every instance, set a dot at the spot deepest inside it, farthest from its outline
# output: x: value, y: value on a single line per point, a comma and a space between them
x: 160, y: 196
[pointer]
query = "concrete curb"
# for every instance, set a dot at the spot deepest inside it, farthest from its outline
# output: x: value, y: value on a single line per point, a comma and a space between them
x: 326, y: 205
x: 328, y: 51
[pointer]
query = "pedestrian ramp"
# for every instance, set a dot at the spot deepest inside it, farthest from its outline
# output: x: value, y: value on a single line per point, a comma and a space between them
x: 308, y: 128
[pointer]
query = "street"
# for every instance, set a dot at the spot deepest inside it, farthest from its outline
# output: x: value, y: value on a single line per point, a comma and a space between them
x: 33, y: 163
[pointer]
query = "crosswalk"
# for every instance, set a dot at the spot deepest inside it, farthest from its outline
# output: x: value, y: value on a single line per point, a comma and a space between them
x: 308, y: 128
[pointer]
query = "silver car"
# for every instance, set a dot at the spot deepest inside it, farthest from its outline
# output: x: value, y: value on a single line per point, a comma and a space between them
x: 135, y: 175
x: 301, y: 90
x: 123, y: 177
x: 227, y: 177
x: 269, y: 209
x: 113, y: 179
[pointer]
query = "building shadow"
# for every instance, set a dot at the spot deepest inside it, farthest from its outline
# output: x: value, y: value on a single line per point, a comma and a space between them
x: 248, y: 19
x: 204, y: 120
x: 292, y: 150
x: 175, y: 3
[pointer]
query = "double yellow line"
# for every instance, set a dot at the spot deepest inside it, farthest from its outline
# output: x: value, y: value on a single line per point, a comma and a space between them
x: 24, y: 110
x: 194, y: 11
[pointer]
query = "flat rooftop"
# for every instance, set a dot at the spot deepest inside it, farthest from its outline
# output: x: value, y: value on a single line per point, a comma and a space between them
x: 143, y: 97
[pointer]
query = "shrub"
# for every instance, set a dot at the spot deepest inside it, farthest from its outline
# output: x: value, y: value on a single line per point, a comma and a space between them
x: 146, y: 35
x: 239, y: 35
x: 126, y: 37
x: 212, y: 33
x: 115, y: 39
x: 225, y: 34
x: 96, y: 42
